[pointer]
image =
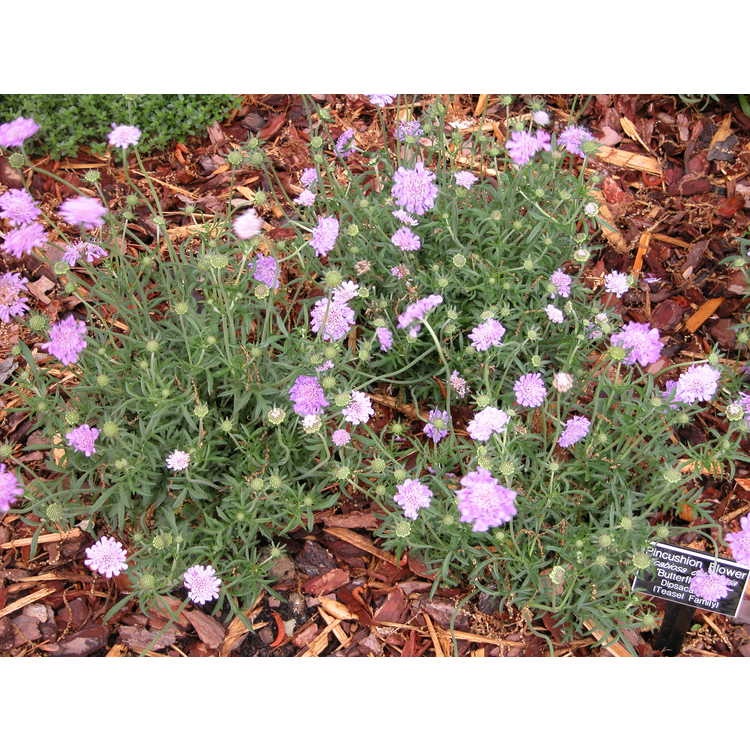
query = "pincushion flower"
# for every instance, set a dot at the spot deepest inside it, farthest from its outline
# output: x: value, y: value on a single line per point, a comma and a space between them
x: 484, y: 502
x: 308, y: 177
x: 82, y: 439
x: 404, y: 217
x: 486, y: 423
x: 248, y: 224
x: 416, y: 312
x: 324, y: 235
x: 201, y: 583
x: 616, y: 283
x: 340, y: 437
x: 82, y: 211
x: 305, y: 198
x: 123, y: 136
x: 437, y: 426
x: 540, y: 117
x: 14, y: 133
x: 266, y: 270
x: 487, y: 334
x: 710, y: 586
x: 18, y: 242
x: 530, y: 390
x: 10, y: 489
x: 89, y: 250
x: 573, y: 137
x: 576, y: 428
x: 67, y: 339
x: 408, y: 128
x: 697, y: 383
x: 381, y: 100
x: 12, y: 301
x: 307, y: 396
x: 178, y: 460
x: 414, y: 190
x: 555, y: 314
x: 385, y: 338
x: 562, y: 382
x: 561, y: 282
x: 411, y: 495
x: 523, y: 145
x: 458, y: 384
x: 641, y: 343
x: 334, y: 319
x: 18, y: 207
x: 344, y: 145
x: 465, y: 179
x: 107, y: 557
x: 739, y: 542
x: 359, y: 409
x: 406, y: 240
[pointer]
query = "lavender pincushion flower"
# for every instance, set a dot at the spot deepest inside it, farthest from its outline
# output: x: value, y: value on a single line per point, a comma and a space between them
x: 573, y: 137
x: 14, y: 133
x: 266, y: 270
x: 340, y: 438
x: 334, y: 318
x: 408, y: 128
x: 437, y: 426
x: 697, y: 383
x: 67, y: 339
x: 248, y: 224
x: 107, y: 557
x: 487, y: 334
x: 307, y: 396
x: 616, y: 283
x: 10, y: 489
x: 83, y: 211
x: 12, y: 285
x: 576, y: 428
x: 641, y: 343
x: 465, y: 179
x: 89, y: 250
x: 18, y: 207
x: 530, y: 390
x: 305, y: 198
x: 22, y: 240
x: 82, y: 439
x: 359, y: 409
x: 414, y: 189
x: 385, y: 338
x: 345, y: 144
x: 523, y: 145
x: 458, y: 384
x: 411, y: 495
x: 406, y: 240
x: 710, y: 586
x: 308, y: 177
x: 484, y: 502
x: 739, y: 542
x: 178, y: 460
x: 486, y: 423
x: 416, y: 312
x: 404, y: 217
x: 122, y: 136
x: 381, y: 100
x: 201, y: 583
x: 324, y: 235
x: 561, y: 281
x: 555, y: 314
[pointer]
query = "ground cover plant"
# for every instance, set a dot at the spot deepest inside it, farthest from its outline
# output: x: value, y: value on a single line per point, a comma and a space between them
x: 237, y: 392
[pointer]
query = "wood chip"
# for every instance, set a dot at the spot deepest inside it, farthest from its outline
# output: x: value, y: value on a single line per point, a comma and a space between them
x: 25, y: 600
x: 481, y: 105
x: 702, y: 314
x: 628, y: 160
x: 607, y: 224
x: 118, y: 650
x: 319, y: 644
x: 337, y: 630
x: 39, y: 288
x: 433, y: 635
x: 357, y: 540
x: 42, y: 539
x: 631, y: 131
x: 643, y: 244
x: 614, y: 648
x: 209, y: 630
x: 336, y: 609
x: 723, y: 131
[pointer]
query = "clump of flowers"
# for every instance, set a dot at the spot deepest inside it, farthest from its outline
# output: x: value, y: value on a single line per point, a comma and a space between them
x: 201, y: 583
x: 640, y: 341
x: 697, y: 383
x: 107, y: 557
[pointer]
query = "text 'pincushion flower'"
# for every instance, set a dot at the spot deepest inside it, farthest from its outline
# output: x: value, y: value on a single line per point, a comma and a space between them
x: 106, y: 557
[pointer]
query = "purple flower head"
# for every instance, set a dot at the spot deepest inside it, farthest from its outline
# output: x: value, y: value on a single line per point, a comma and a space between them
x: 744, y: 402
x: 640, y: 342
x: 576, y: 428
x: 555, y: 314
x: 561, y: 281
x: 404, y: 218
x: 411, y: 495
x: 540, y: 117
x: 67, y: 339
x: 82, y: 439
x: 523, y: 145
x: 345, y: 144
x: 11, y: 300
x: 408, y: 128
x: 10, y: 489
x: 381, y: 100
x: 404, y: 239
x: 530, y: 390
x: 739, y: 542
x: 178, y: 460
x: 465, y: 179
x: 89, y: 250
x: 573, y: 137
x: 324, y: 235
x: 359, y: 409
x: 437, y: 426
x: 18, y: 242
x: 82, y: 211
x: 385, y: 338
x: 345, y: 291
x: 399, y: 272
x: 458, y: 384
x: 14, y: 133
x: 562, y: 382
x: 107, y: 557
x: 248, y: 224
x: 710, y: 586
x: 201, y: 583
x: 334, y: 319
x: 416, y: 312
x: 18, y: 207
x: 122, y: 136
x: 327, y: 365
x: 487, y: 334
x: 484, y: 502
x: 307, y: 396
x: 340, y: 437
x: 487, y: 422
x: 266, y: 270
x: 414, y: 189
x: 697, y: 383
x: 308, y: 177
x: 616, y: 283
x: 305, y: 198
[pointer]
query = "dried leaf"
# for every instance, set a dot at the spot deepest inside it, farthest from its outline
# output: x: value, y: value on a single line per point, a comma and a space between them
x: 209, y: 630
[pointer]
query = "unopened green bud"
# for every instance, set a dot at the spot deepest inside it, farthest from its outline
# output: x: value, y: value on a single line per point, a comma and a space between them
x: 672, y: 476
x: 226, y: 425
x: 217, y: 262
x: 16, y: 160
x: 402, y: 529
x: 72, y: 417
x: 343, y: 473
x: 333, y: 278
x: 605, y: 540
x: 37, y: 323
x: 234, y: 158
x: 102, y: 380
x: 276, y: 415
x: 121, y: 464
x: 181, y: 308
x: 617, y: 353
x: 275, y: 482
x: 399, y: 475
x: 557, y: 575
x: 60, y: 268
x: 201, y: 411
x: 110, y: 430
x: 377, y: 465
x: 152, y: 346
x: 641, y: 560
x: 55, y: 512
x: 341, y: 399
x: 261, y: 291
x: 459, y: 261
x: 257, y: 484
x: 92, y: 176
x: 316, y: 141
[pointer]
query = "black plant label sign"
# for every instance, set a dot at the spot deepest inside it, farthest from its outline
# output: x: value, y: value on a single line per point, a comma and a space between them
x: 693, y: 578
